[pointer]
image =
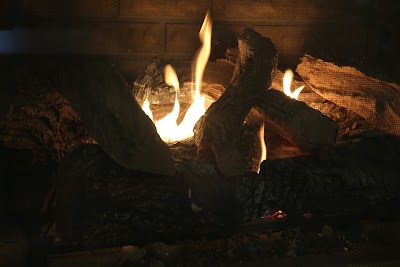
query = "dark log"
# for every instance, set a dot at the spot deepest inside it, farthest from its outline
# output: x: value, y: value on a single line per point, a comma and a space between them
x: 303, y: 126
x: 376, y: 101
x: 220, y: 128
x: 40, y: 120
x: 98, y: 92
x: 112, y: 205
x: 357, y: 176
x: 100, y: 203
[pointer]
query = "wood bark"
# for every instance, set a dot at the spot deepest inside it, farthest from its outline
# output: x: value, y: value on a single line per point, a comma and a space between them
x: 219, y: 129
x: 98, y: 92
x: 295, y: 121
x: 376, y: 101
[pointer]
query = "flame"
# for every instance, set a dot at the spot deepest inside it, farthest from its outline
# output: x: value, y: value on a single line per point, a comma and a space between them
x: 287, y: 81
x: 167, y: 127
x: 263, y: 146
x: 146, y: 109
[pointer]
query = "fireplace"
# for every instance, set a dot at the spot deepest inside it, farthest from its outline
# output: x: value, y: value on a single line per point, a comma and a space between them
x: 87, y: 176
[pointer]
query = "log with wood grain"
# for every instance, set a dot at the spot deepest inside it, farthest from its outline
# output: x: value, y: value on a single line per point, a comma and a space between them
x: 375, y: 100
x: 220, y: 127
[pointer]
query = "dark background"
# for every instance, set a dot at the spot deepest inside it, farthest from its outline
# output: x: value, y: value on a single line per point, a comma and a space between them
x: 361, y: 33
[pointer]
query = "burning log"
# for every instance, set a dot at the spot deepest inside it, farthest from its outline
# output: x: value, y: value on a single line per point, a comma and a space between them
x: 100, y: 95
x: 376, y: 101
x: 305, y: 127
x: 219, y: 129
x: 350, y: 124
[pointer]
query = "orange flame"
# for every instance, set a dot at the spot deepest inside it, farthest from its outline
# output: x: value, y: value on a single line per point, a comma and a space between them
x: 263, y: 146
x: 167, y: 127
x: 287, y: 81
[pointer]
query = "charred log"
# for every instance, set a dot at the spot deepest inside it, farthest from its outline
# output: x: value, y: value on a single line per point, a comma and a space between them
x: 219, y: 129
x: 303, y: 126
x: 40, y: 120
x: 112, y: 205
x: 376, y: 101
x: 98, y: 92
x: 357, y: 177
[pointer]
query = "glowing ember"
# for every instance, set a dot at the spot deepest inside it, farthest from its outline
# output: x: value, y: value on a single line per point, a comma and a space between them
x: 263, y: 146
x: 167, y: 127
x: 287, y: 81
x: 274, y: 214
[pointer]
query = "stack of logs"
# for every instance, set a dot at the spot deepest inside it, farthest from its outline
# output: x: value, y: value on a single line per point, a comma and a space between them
x: 335, y: 149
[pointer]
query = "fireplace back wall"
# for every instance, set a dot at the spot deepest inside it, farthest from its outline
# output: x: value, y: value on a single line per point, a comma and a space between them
x: 130, y: 32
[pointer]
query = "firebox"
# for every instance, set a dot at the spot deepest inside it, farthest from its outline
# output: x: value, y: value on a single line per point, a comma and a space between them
x: 199, y: 133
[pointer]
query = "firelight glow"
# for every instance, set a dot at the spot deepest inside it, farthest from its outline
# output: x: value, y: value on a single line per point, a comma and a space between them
x: 287, y: 81
x: 263, y: 146
x: 167, y: 127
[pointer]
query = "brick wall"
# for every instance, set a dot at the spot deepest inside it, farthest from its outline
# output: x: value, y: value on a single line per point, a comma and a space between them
x: 133, y: 31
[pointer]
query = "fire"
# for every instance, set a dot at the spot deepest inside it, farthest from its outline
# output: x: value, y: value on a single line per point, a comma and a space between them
x: 167, y: 127
x: 287, y: 81
x: 263, y: 146
x: 146, y: 109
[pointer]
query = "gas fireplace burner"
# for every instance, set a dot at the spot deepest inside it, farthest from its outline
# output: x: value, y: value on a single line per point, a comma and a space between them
x: 237, y: 154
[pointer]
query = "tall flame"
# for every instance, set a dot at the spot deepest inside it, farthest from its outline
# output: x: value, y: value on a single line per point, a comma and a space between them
x: 167, y: 127
x: 287, y: 81
x: 263, y: 146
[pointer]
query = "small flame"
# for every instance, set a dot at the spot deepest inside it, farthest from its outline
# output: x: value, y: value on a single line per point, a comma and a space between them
x: 287, y: 81
x: 167, y: 127
x: 146, y: 109
x: 263, y: 146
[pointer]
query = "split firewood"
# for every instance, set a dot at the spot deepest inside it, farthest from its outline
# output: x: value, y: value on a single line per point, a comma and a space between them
x: 98, y: 92
x: 295, y: 121
x: 219, y: 129
x: 376, y: 101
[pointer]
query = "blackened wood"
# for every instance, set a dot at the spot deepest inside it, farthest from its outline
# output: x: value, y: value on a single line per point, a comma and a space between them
x: 359, y: 176
x: 295, y: 121
x: 219, y: 129
x: 100, y: 203
x: 40, y: 120
x: 98, y: 92
x: 376, y: 101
